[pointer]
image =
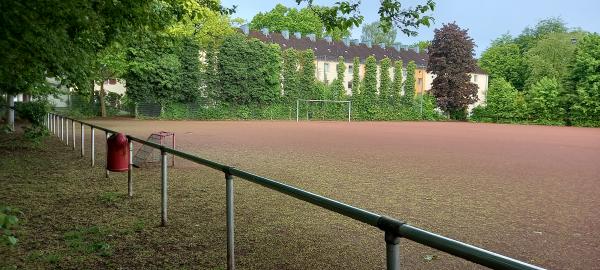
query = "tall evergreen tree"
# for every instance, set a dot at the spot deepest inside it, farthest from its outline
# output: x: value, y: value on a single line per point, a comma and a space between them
x: 308, y: 76
x: 338, y: 90
x: 409, y: 84
x: 356, y: 76
x: 384, y: 80
x: 584, y: 81
x: 290, y: 74
x: 397, y: 84
x: 190, y: 70
x: 451, y: 60
x: 369, y: 83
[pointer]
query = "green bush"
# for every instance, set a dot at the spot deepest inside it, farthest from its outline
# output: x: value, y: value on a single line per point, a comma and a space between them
x: 8, y: 223
x: 35, y: 112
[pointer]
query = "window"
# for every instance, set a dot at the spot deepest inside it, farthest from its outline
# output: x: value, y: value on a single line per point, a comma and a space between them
x: 326, y: 67
x: 350, y: 69
x: 350, y: 85
x: 112, y: 81
x: 474, y: 77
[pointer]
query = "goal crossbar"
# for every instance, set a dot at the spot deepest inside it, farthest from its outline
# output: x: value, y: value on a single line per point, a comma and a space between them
x: 324, y: 101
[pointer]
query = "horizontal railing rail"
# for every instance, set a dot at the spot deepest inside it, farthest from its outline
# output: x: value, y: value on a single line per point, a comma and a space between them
x: 394, y: 229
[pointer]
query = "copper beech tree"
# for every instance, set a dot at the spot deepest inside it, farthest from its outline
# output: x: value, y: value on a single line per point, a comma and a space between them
x: 451, y: 60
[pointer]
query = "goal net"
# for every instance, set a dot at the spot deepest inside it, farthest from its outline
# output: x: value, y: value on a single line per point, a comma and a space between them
x: 323, y: 109
x: 147, y: 155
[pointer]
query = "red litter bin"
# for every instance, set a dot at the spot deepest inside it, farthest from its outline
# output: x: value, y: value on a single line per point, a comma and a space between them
x: 117, y: 157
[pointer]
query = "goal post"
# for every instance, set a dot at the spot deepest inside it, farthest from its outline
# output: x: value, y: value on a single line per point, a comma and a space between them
x: 308, y: 102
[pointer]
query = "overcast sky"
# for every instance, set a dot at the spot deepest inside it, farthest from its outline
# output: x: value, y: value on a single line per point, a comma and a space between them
x: 485, y: 19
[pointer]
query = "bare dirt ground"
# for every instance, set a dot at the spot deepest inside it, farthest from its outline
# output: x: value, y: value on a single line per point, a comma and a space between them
x: 529, y: 192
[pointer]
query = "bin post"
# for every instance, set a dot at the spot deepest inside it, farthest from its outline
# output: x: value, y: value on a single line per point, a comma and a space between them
x: 129, y: 171
x: 163, y: 187
x: 106, y: 141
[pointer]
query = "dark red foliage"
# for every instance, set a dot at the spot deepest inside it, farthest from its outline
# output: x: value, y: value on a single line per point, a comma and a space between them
x: 451, y: 60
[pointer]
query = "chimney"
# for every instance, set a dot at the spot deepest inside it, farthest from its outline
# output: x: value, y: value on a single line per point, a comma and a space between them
x: 415, y: 49
x: 354, y: 42
x: 285, y: 34
x: 346, y: 41
x: 382, y: 45
x: 312, y: 37
x: 328, y: 39
x: 245, y: 29
x: 369, y: 44
x: 298, y: 35
x: 265, y: 31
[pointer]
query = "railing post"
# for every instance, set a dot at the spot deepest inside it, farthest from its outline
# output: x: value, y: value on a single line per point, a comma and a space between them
x: 82, y: 140
x: 106, y: 142
x: 73, y: 132
x: 54, y: 124
x: 62, y: 128
x: 163, y: 187
x: 392, y: 251
x: 129, y: 171
x: 67, y: 131
x: 92, y: 146
x: 230, y: 221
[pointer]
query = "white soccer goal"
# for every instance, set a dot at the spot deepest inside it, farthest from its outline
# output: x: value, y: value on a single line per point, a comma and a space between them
x: 309, y: 102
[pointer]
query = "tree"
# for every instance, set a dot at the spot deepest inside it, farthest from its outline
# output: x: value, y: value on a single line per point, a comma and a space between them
x: 308, y: 76
x: 451, y: 60
x: 110, y: 64
x: 206, y: 26
x: 373, y: 33
x: 338, y: 90
x: 550, y: 56
x: 409, y: 84
x: 503, y: 59
x: 585, y: 82
x: 63, y: 38
x: 423, y: 45
x: 369, y: 83
x: 249, y: 82
x: 305, y: 21
x: 210, y: 76
x: 291, y: 86
x: 503, y: 102
x: 356, y: 76
x: 190, y: 73
x: 385, y: 94
x: 344, y: 15
x: 543, y: 101
x: 530, y: 36
x: 155, y: 70
x: 398, y: 81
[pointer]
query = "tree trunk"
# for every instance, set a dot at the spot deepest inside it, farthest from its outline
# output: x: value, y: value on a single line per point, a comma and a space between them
x: 11, y: 113
x: 102, y: 104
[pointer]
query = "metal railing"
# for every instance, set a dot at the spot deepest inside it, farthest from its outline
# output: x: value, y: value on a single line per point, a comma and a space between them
x: 393, y: 229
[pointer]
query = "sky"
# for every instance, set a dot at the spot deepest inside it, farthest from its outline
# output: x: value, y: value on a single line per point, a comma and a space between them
x: 485, y: 19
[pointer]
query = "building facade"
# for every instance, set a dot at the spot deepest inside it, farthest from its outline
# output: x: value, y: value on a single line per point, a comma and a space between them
x: 327, y: 52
